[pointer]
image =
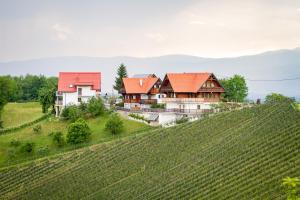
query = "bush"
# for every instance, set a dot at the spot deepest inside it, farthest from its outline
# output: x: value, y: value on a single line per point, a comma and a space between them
x: 37, y: 128
x: 15, y: 143
x: 182, y: 120
x: 114, y: 124
x: 72, y: 113
x: 83, y: 107
x: 78, y: 132
x: 159, y: 105
x: 43, y: 151
x: 28, y: 147
x: 95, y: 106
x: 58, y: 138
x: 121, y: 104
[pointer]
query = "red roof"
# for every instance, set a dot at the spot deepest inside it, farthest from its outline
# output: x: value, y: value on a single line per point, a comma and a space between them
x: 68, y: 81
x: 139, y: 85
x: 187, y: 82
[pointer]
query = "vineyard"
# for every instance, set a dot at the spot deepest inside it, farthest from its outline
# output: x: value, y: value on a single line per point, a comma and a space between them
x: 241, y: 154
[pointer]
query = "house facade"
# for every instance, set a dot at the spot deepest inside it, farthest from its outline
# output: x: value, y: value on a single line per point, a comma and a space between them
x: 190, y: 91
x: 140, y: 92
x: 76, y: 87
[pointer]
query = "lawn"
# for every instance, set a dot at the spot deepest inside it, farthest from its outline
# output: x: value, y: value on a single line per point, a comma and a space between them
x: 43, y: 141
x: 15, y: 114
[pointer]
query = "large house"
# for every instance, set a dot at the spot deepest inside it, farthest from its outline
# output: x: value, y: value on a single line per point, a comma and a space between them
x: 141, y: 91
x: 76, y: 87
x: 190, y: 91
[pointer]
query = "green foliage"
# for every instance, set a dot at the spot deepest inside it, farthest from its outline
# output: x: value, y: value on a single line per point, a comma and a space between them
x: 121, y: 104
x: 43, y: 151
x: 27, y: 147
x: 158, y: 105
x: 37, y: 128
x: 71, y: 113
x: 292, y: 187
x: 121, y: 73
x: 136, y: 116
x: 58, y: 138
x: 15, y: 143
x: 235, y: 88
x: 182, y: 120
x: 7, y: 88
x: 114, y: 124
x: 239, y: 155
x: 277, y: 98
x: 78, y: 132
x: 95, y: 106
x: 47, y: 95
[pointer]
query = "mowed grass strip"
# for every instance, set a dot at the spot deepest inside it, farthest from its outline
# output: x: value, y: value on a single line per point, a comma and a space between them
x: 15, y: 114
x: 238, y: 155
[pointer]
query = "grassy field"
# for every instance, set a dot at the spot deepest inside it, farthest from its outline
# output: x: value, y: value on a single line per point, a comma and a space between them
x: 15, y: 114
x: 43, y: 142
x: 238, y: 155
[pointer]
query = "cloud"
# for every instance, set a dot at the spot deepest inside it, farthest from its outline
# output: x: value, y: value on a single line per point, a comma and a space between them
x: 298, y: 9
x: 158, y: 37
x: 62, y: 32
x: 197, y: 22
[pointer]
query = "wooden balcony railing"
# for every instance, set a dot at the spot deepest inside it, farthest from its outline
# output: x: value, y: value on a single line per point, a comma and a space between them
x: 132, y: 100
x: 148, y: 101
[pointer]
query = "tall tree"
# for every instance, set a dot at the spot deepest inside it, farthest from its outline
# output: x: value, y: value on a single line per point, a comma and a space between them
x: 47, y: 94
x: 121, y: 73
x: 6, y: 90
x: 276, y: 98
x: 235, y: 88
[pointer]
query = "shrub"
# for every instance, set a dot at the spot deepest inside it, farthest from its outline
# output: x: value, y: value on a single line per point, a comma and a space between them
x: 121, y: 104
x: 72, y: 113
x: 292, y: 188
x: 15, y: 143
x: 28, y: 147
x: 136, y: 116
x: 83, y: 107
x: 159, y: 105
x: 78, y: 132
x: 37, y: 128
x: 43, y: 151
x: 114, y: 124
x: 182, y: 120
x: 95, y: 106
x: 58, y: 138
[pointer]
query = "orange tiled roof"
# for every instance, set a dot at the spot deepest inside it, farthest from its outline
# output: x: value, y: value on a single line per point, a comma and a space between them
x: 139, y: 85
x: 187, y: 82
x: 66, y: 79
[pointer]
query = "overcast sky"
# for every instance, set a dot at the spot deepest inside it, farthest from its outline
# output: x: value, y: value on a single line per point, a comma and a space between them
x: 209, y: 28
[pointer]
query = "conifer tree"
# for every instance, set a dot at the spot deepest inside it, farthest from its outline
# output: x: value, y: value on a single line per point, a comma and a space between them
x: 121, y: 73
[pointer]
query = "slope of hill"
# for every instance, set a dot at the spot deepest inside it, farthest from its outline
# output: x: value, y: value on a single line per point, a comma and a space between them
x: 270, y: 65
x: 238, y: 155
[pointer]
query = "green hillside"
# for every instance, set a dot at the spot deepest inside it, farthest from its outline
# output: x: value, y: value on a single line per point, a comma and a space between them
x: 238, y: 155
x: 15, y: 114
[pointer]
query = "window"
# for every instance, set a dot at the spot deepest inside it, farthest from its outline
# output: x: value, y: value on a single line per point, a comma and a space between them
x: 133, y: 97
x: 79, y: 100
x: 212, y: 84
x: 158, y: 96
x: 80, y: 91
x: 198, y: 107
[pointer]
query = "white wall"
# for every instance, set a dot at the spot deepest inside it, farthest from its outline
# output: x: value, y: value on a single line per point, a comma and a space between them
x: 71, y: 98
x: 188, y: 106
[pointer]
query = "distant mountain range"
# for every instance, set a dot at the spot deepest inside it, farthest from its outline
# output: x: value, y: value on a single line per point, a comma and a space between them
x: 272, y: 65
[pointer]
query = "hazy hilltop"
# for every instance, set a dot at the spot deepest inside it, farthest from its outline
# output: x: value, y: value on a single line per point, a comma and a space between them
x: 281, y: 64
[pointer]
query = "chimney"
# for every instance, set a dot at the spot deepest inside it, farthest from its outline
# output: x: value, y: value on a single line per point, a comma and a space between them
x: 141, y: 82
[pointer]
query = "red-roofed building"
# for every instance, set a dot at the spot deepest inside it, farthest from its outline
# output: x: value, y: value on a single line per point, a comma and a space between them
x: 190, y: 91
x: 141, y: 92
x: 76, y: 87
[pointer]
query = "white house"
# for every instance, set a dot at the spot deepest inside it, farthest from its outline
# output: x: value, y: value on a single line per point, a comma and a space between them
x: 76, y: 87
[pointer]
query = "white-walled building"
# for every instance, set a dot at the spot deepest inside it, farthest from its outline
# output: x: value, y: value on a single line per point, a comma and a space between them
x: 76, y: 87
x: 141, y: 92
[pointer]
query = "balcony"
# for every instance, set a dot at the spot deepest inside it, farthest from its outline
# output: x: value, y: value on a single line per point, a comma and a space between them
x: 58, y: 102
x: 181, y: 100
x: 148, y: 101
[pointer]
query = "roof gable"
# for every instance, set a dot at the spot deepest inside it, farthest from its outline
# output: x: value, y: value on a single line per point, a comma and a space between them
x: 139, y: 85
x: 68, y: 81
x: 187, y: 82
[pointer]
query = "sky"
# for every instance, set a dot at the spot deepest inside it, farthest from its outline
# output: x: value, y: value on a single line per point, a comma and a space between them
x: 31, y: 29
